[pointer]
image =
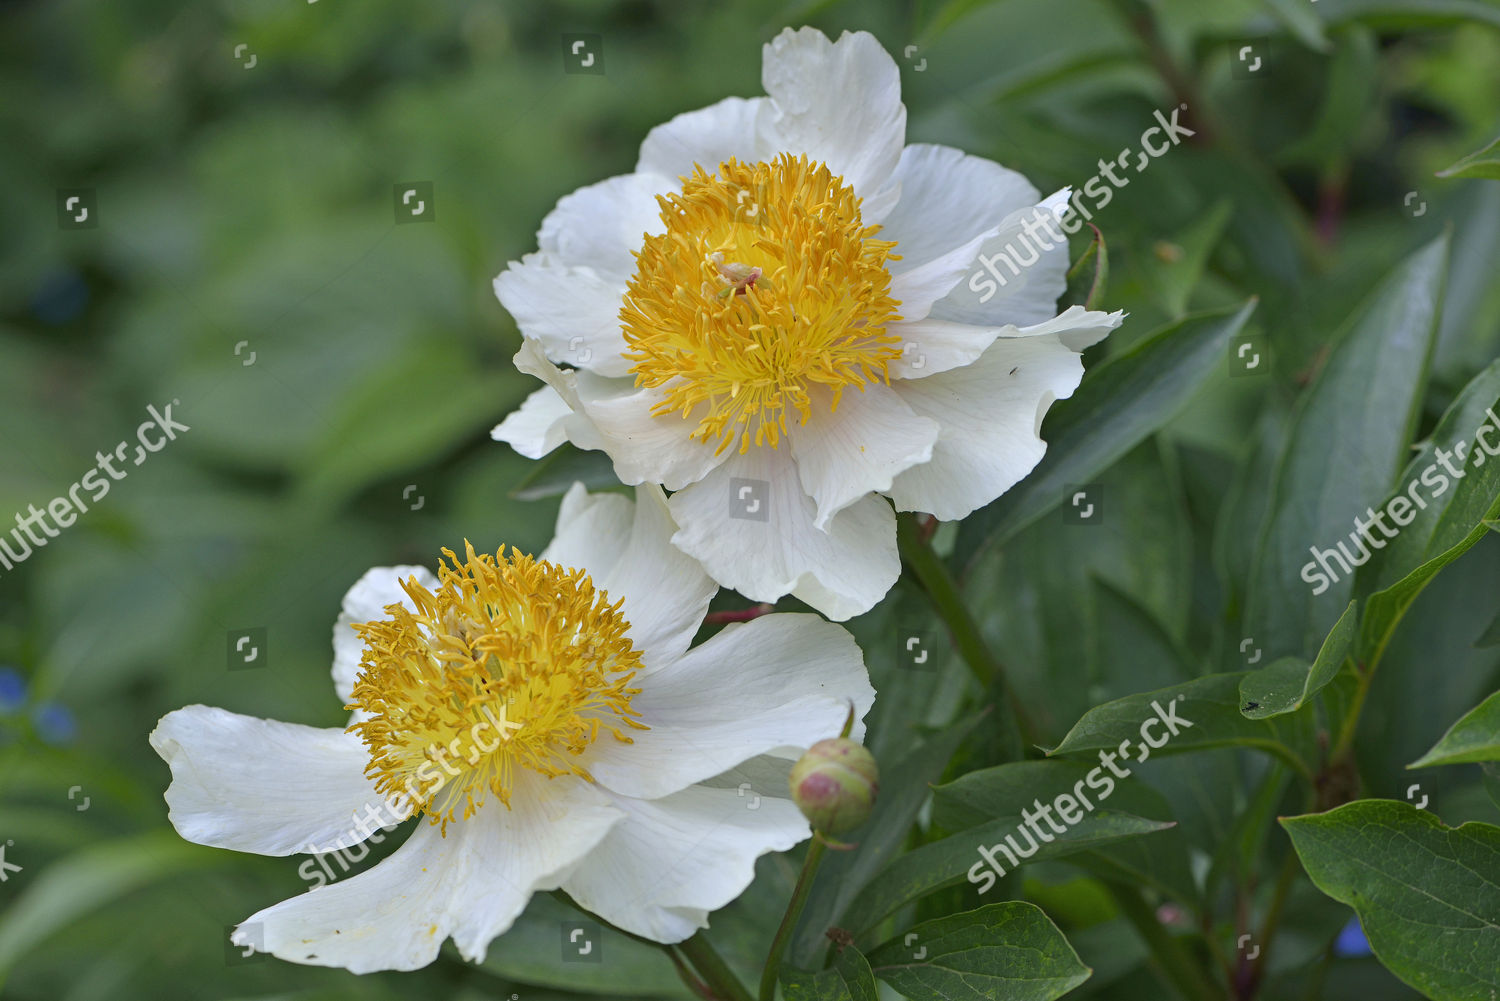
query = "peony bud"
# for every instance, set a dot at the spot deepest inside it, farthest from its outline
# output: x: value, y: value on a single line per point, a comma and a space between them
x: 834, y: 785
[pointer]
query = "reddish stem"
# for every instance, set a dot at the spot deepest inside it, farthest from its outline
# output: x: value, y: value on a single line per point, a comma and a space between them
x: 738, y: 614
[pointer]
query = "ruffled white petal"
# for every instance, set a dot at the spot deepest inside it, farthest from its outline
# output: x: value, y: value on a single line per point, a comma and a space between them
x: 366, y: 601
x: 838, y: 102
x: 841, y: 572
x: 470, y: 884
x: 930, y: 346
x: 573, y: 311
x: 645, y: 448
x: 537, y: 426
x: 780, y: 682
x: 599, y: 226
x: 626, y: 549
x: 706, y: 137
x: 947, y: 198
x: 1015, y: 278
x: 532, y: 360
x: 991, y: 416
x: 263, y: 786
x: 1076, y: 327
x: 673, y: 860
x: 859, y: 448
x: 919, y: 288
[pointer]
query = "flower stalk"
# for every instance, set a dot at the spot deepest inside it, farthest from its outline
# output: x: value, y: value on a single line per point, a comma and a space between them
x: 918, y: 555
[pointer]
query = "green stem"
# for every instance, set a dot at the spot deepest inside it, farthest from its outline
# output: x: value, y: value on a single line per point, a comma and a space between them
x: 698, y: 987
x: 1351, y: 720
x: 789, y: 920
x: 940, y: 587
x: 1284, y: 882
x: 1173, y: 961
x: 714, y: 971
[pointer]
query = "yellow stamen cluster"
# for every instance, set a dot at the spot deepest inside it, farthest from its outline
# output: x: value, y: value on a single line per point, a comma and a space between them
x: 766, y: 285
x: 511, y: 662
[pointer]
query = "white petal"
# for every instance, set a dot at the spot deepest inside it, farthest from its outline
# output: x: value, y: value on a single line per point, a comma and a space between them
x: 918, y: 288
x: 538, y: 426
x: 673, y: 860
x: 599, y: 226
x: 781, y: 682
x: 366, y: 601
x: 532, y: 360
x: 706, y: 137
x: 646, y: 448
x: 1076, y: 327
x: 947, y: 198
x: 1016, y: 277
x: 858, y: 448
x: 931, y: 345
x: 841, y: 572
x: 838, y: 102
x: 592, y: 531
x: 626, y: 549
x: 471, y: 884
x: 991, y: 415
x: 573, y: 311
x: 264, y: 786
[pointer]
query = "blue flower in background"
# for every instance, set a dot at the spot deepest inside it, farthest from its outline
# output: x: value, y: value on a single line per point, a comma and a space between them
x: 1351, y: 941
x: 54, y: 722
x: 12, y: 690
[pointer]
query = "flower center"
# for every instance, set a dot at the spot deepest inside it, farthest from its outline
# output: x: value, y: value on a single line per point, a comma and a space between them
x: 766, y: 286
x: 511, y: 662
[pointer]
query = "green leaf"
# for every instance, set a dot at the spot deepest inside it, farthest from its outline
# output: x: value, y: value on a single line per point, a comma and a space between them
x: 81, y: 883
x: 1209, y: 709
x: 1188, y: 255
x: 849, y: 979
x: 565, y: 466
x: 1408, y: 14
x: 945, y: 863
x: 1285, y: 685
x: 1116, y: 407
x: 1237, y: 852
x: 1442, y: 511
x: 1491, y: 635
x: 1302, y: 20
x: 1350, y: 97
x: 1483, y: 163
x: 1491, y: 772
x: 852, y: 965
x: 413, y: 410
x: 1474, y: 738
x: 530, y: 952
x: 1087, y: 286
x: 1346, y: 443
x: 1444, y: 515
x: 1010, y: 950
x: 979, y: 798
x: 1428, y: 896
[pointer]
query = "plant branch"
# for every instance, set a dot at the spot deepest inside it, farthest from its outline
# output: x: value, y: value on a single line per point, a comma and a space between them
x: 714, y: 971
x: 793, y: 914
x: 917, y: 553
x: 1173, y: 961
x: 1254, y: 975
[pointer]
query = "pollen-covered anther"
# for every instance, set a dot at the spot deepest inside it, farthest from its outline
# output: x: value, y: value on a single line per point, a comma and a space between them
x: 511, y: 662
x: 766, y: 293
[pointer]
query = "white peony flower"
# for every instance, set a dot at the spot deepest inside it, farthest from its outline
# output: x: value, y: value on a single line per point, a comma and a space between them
x: 771, y: 318
x: 550, y: 721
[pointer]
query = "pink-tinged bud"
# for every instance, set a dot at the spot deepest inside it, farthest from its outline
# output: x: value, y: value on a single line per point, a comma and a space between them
x: 834, y: 785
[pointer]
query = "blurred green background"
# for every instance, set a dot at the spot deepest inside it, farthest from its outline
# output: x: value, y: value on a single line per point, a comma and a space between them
x: 247, y: 211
